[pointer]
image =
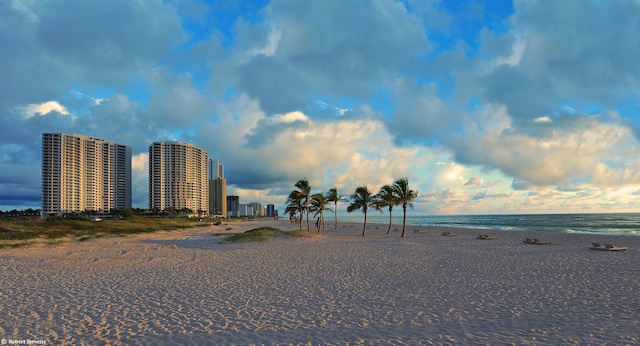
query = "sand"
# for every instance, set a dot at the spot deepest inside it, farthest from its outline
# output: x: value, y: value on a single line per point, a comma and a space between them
x: 185, y: 287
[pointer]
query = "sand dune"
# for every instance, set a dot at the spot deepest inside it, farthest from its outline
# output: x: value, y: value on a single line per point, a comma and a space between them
x: 184, y: 287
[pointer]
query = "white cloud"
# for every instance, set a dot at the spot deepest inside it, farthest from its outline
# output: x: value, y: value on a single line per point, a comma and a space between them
x: 544, y: 153
x: 262, y: 152
x: 43, y: 109
x: 140, y: 163
x: 140, y: 180
x: 288, y: 118
x: 542, y: 120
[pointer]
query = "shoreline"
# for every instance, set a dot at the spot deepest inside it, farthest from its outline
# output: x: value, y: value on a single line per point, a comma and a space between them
x: 185, y: 287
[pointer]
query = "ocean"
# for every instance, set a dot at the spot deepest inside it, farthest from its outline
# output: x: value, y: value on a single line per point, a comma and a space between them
x: 613, y: 223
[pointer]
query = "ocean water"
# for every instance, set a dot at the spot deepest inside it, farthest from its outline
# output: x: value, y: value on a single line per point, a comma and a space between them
x: 614, y: 223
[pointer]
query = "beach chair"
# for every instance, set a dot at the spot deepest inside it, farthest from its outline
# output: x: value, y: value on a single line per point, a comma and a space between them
x: 538, y: 242
x: 597, y: 246
x: 606, y: 247
x: 613, y: 248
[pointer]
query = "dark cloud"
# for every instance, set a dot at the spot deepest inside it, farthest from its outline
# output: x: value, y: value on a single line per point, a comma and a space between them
x: 420, y: 114
x: 568, y: 51
x: 55, y: 45
x: 341, y: 48
x: 105, y: 43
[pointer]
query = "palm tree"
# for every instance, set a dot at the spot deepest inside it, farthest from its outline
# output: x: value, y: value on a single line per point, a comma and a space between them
x: 319, y: 206
x: 387, y: 198
x: 362, y: 199
x: 333, y: 196
x: 294, y: 206
x: 304, y: 193
x: 405, y: 196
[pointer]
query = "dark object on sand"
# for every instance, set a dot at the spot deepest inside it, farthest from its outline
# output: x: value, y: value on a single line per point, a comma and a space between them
x: 486, y: 237
x: 606, y: 247
x: 535, y: 241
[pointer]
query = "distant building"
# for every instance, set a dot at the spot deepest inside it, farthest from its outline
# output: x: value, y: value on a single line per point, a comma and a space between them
x: 245, y: 210
x: 178, y: 177
x: 216, y: 169
x: 256, y: 209
x: 217, y: 189
x: 271, y: 210
x: 233, y: 206
x: 81, y: 173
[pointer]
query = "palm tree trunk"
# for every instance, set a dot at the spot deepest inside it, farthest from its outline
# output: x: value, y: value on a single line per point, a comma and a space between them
x: 300, y: 221
x: 390, y: 215
x: 335, y: 212
x: 308, y: 225
x: 364, y: 228
x: 404, y: 220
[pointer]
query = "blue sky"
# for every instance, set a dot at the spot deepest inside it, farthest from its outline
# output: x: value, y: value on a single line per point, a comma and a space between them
x: 486, y: 106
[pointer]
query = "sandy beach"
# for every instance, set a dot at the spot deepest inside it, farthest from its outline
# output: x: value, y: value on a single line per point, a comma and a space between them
x: 185, y: 287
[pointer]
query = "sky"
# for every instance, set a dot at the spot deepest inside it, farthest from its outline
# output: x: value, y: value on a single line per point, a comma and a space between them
x: 487, y: 107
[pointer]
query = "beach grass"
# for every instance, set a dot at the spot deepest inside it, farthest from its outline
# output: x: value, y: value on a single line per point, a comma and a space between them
x: 15, y: 233
x: 266, y: 233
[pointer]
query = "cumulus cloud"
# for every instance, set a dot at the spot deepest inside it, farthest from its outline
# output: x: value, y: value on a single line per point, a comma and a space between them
x: 57, y: 44
x: 483, y: 111
x: 570, y: 148
x: 261, y: 152
x: 420, y: 113
x: 556, y: 52
x: 175, y: 102
x: 351, y: 50
x: 43, y: 109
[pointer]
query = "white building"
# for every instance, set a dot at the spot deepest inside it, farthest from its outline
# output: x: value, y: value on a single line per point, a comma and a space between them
x: 81, y: 173
x: 178, y: 177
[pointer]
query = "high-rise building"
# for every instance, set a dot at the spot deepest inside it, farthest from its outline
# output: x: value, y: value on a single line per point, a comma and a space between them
x: 256, y: 209
x: 271, y: 210
x: 216, y: 169
x: 81, y: 173
x: 178, y: 177
x: 217, y: 189
x: 233, y: 206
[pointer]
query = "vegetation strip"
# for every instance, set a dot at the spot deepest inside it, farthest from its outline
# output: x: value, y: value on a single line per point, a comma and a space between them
x: 265, y: 233
x: 17, y: 233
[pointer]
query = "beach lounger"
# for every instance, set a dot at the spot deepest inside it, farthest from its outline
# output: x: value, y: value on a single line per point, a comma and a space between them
x: 448, y: 234
x: 535, y: 241
x: 486, y: 237
x: 614, y: 248
x: 606, y: 247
